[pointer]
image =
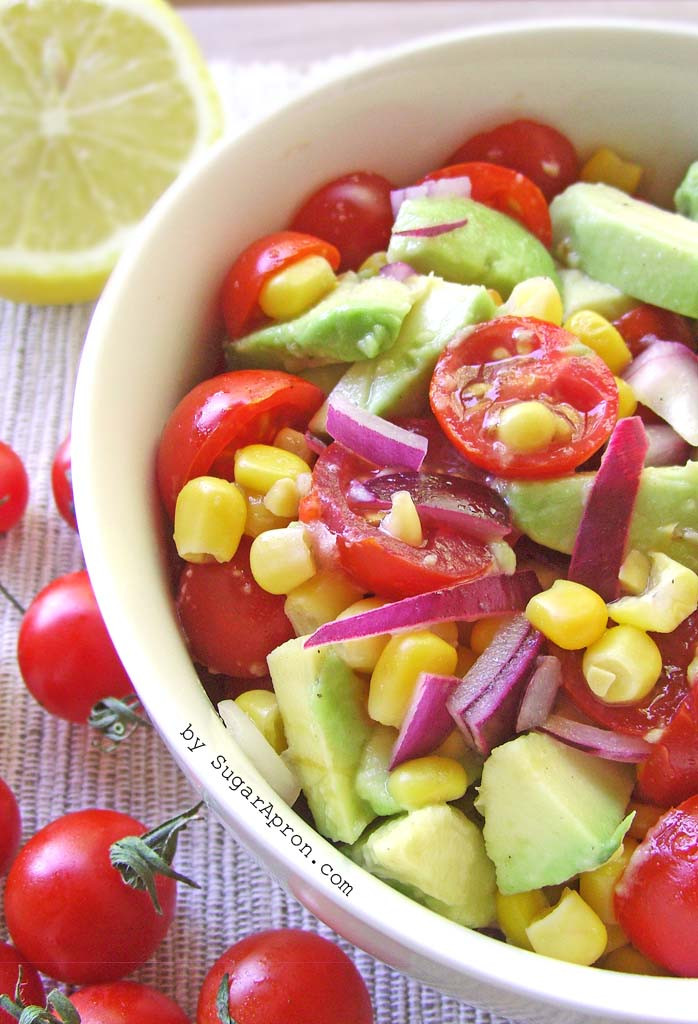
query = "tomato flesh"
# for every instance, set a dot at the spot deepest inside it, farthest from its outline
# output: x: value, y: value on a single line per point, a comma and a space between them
x: 644, y: 324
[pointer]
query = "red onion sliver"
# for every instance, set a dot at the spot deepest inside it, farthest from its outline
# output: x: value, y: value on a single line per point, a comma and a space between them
x: 399, y: 270
x: 664, y: 377
x: 604, y: 743
x: 427, y: 721
x: 432, y: 230
x: 372, y: 437
x: 434, y: 188
x: 666, y: 447
x: 463, y: 602
x: 540, y: 693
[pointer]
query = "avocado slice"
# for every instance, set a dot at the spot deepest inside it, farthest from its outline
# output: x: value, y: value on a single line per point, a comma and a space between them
x: 647, y: 252
x: 686, y: 195
x: 397, y: 383
x: 437, y: 856
x: 323, y: 707
x: 373, y: 773
x: 550, y: 811
x: 357, y: 320
x: 489, y: 248
x: 665, y: 515
x: 579, y: 291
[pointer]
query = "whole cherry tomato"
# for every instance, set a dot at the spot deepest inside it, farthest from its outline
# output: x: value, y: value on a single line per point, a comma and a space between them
x: 126, y: 1002
x: 353, y: 212
x: 65, y: 654
x: 644, y: 324
x: 14, y: 488
x: 10, y: 827
x: 286, y: 976
x: 67, y: 908
x: 62, y: 483
x: 32, y: 989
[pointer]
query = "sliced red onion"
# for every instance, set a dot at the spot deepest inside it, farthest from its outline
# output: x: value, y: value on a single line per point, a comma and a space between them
x: 463, y: 602
x: 602, y: 535
x: 540, y: 693
x: 433, y: 229
x: 399, y: 270
x: 664, y: 377
x: 427, y: 721
x: 604, y: 743
x: 316, y: 444
x: 484, y: 706
x: 666, y: 448
x: 434, y: 188
x: 372, y: 437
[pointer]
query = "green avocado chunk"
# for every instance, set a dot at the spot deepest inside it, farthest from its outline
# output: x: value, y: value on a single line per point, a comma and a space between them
x: 686, y: 195
x: 357, y: 320
x: 647, y: 252
x: 579, y: 291
x: 323, y: 707
x: 489, y: 249
x: 372, y: 775
x: 397, y: 383
x: 665, y: 515
x: 550, y: 811
x: 437, y: 856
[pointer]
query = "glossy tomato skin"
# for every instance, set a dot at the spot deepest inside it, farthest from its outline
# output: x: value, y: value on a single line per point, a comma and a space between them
x: 68, y: 910
x: 65, y: 654
x: 255, y: 265
x: 539, y: 151
x: 670, y: 773
x: 32, y: 990
x: 230, y: 623
x: 644, y: 324
x: 14, y: 488
x: 518, y: 359
x: 352, y: 212
x: 656, y: 900
x: 287, y: 976
x: 222, y: 414
x: 62, y: 483
x: 126, y: 1002
x: 10, y: 827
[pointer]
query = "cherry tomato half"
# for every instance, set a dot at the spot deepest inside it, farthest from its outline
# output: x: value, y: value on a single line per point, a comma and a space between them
x: 670, y: 773
x: 221, y: 415
x: 352, y: 212
x: 380, y: 562
x: 14, y: 488
x: 258, y: 262
x: 539, y: 151
x: 656, y: 900
x: 65, y: 654
x: 644, y: 324
x: 62, y: 483
x: 68, y: 910
x: 126, y: 1002
x: 514, y: 359
x: 286, y: 976
x: 32, y: 989
x: 10, y: 828
x: 506, y: 190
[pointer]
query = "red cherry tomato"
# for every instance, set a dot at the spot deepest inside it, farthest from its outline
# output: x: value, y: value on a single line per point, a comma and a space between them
x: 68, y: 910
x: 258, y: 262
x: 656, y: 900
x: 352, y: 212
x: 286, y: 976
x: 10, y: 828
x: 670, y: 773
x: 381, y: 563
x: 539, y: 151
x: 126, y: 1002
x: 14, y: 488
x: 230, y: 623
x: 221, y: 415
x: 506, y: 190
x: 65, y: 654
x: 644, y: 324
x: 514, y: 359
x: 62, y: 483
x: 32, y: 989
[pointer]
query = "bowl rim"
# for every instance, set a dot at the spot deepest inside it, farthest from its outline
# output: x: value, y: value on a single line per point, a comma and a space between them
x: 563, y: 986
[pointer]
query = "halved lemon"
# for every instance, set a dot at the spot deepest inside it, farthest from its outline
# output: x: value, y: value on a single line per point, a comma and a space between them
x: 102, y: 103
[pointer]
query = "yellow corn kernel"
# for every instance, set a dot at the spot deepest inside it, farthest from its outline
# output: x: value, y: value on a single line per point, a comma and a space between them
x: 296, y: 288
x: 646, y: 816
x: 627, y: 402
x: 569, y: 614
x: 320, y: 599
x: 597, y: 887
x: 280, y: 560
x: 527, y: 426
x: 209, y: 520
x: 495, y: 296
x: 427, y: 780
x: 448, y: 631
x: 362, y: 655
x: 259, y: 518
x: 517, y: 911
x: 403, y: 520
x: 622, y: 666
x: 602, y: 337
x: 453, y: 746
x: 615, y: 938
x: 569, y: 931
x: 630, y: 961
x: 262, y: 707
x: 259, y: 466
x: 373, y: 264
x: 395, y: 675
x: 294, y: 441
x: 671, y: 595
x: 537, y: 296
x: 466, y: 659
x: 282, y: 498
x: 634, y: 572
x: 606, y: 166
x: 483, y: 631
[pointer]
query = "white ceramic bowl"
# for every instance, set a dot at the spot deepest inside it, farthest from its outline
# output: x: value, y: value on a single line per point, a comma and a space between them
x: 629, y: 85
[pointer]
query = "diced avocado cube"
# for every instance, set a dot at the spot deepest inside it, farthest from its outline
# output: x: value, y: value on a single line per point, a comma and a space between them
x: 686, y: 195
x: 372, y: 776
x: 579, y: 291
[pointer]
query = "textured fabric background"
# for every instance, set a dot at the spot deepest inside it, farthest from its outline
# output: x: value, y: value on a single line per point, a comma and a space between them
x: 54, y: 767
